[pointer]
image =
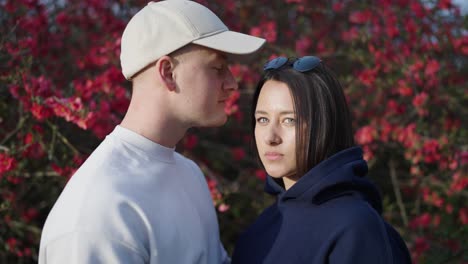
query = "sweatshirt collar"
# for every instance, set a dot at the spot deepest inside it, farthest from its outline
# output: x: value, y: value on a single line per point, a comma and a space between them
x: 151, y: 148
x: 322, y: 176
x: 342, y: 173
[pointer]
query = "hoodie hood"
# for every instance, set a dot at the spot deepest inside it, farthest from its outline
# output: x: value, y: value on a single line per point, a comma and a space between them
x: 341, y: 174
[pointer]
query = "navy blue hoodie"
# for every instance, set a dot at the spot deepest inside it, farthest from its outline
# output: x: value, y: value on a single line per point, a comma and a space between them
x: 330, y: 215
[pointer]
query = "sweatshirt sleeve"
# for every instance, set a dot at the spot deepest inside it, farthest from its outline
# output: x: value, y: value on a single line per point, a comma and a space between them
x: 364, y: 240
x: 81, y: 247
x: 225, y: 259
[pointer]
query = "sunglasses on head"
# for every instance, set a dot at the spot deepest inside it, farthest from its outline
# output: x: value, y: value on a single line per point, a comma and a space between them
x: 304, y: 64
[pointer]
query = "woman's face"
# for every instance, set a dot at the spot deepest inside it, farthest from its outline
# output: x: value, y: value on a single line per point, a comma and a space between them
x: 275, y: 130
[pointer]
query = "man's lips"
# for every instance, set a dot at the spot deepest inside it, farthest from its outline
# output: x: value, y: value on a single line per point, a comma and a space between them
x: 273, y: 156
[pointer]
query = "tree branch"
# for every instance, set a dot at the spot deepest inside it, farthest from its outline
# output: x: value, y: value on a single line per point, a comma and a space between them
x: 396, y: 189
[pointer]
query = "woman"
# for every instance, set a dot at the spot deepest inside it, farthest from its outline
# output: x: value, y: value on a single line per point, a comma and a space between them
x: 326, y: 210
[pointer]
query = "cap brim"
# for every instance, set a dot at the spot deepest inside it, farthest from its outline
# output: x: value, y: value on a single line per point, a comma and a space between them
x: 238, y: 46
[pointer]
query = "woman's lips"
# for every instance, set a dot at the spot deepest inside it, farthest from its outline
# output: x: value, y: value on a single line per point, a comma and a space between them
x: 273, y: 156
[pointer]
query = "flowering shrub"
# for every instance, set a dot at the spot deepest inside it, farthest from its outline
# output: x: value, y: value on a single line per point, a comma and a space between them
x: 403, y: 65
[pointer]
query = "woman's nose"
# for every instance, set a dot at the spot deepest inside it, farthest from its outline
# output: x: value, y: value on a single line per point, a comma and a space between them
x: 272, y: 136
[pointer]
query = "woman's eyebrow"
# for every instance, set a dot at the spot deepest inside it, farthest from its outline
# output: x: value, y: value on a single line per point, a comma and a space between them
x: 281, y: 113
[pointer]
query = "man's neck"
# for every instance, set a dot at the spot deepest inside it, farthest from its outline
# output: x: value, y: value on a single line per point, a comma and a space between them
x: 163, y: 133
x: 150, y: 116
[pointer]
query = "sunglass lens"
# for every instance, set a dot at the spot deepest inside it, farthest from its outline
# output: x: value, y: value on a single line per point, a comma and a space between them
x: 306, y: 63
x: 275, y: 63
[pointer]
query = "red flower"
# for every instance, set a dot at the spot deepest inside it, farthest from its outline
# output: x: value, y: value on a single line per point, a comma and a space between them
x: 28, y: 139
x: 461, y: 44
x: 7, y: 163
x: 368, y: 153
x: 449, y: 208
x: 463, y: 157
x: 238, y: 153
x: 15, y: 91
x: 14, y: 179
x: 62, y: 19
x: 190, y: 141
x: 231, y: 106
x: 421, y: 221
x: 415, y: 170
x: 385, y: 130
x: 418, y: 9
x: 302, y: 45
x: 360, y: 17
x: 261, y: 174
x: 367, y: 76
x: 338, y: 6
x: 458, y: 184
x: 40, y: 112
x: 71, y: 109
x: 420, y: 246
x: 393, y: 106
x: 350, y: 35
x: 452, y: 124
x: 392, y: 31
x: 11, y: 243
x: 432, y: 68
x: 63, y: 171
x: 416, y: 67
x: 431, y: 151
x: 215, y: 195
x: 365, y: 135
x: 223, y: 208
x: 445, y: 4
x: 420, y: 99
x: 35, y: 151
x: 30, y: 214
x: 411, y: 27
x: 463, y: 216
x: 266, y: 30
x: 27, y: 252
x: 256, y: 31
x: 408, y: 136
x: 433, y: 198
x: 404, y: 89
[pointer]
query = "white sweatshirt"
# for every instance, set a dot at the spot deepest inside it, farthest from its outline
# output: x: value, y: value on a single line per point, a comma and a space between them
x: 133, y: 201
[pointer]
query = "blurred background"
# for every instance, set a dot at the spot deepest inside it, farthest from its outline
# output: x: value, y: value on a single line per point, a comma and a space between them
x: 403, y: 64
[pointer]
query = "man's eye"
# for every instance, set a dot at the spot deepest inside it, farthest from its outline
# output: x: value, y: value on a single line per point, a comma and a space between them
x: 219, y: 68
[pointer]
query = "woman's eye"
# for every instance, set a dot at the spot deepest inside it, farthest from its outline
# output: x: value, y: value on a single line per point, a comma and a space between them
x: 262, y: 120
x: 289, y: 120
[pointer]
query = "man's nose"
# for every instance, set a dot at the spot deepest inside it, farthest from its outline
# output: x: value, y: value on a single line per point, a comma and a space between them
x: 230, y: 82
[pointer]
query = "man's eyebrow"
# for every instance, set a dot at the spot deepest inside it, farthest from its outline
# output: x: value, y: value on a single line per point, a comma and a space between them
x: 221, y: 56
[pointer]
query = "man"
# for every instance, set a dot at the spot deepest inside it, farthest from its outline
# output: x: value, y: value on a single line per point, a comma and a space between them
x: 135, y: 200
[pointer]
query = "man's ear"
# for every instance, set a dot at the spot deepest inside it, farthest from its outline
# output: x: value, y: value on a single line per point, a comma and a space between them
x: 165, y: 69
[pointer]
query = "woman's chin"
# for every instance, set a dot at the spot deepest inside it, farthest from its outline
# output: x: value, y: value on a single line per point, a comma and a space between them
x: 276, y: 176
x: 279, y: 174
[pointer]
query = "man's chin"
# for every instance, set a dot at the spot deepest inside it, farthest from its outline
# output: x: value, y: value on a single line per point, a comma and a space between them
x: 220, y: 121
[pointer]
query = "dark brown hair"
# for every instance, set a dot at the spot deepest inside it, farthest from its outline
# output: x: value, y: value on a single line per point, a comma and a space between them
x: 323, y: 125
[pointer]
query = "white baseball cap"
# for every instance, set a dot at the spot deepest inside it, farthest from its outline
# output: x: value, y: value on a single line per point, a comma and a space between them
x: 163, y: 27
